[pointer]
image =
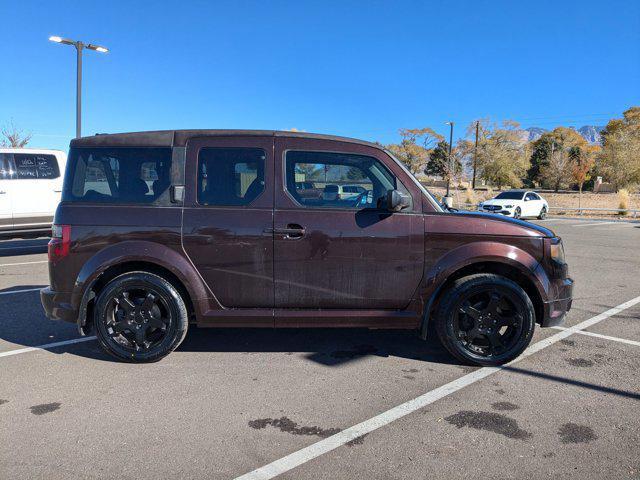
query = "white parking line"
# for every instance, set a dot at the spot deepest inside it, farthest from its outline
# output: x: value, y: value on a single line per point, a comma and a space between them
x: 604, y: 337
x: 21, y: 291
x: 22, y: 263
x: 46, y: 346
x: 317, y: 449
x: 594, y: 224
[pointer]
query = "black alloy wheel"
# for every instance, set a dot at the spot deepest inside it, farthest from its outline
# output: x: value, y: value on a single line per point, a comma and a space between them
x: 485, y: 319
x: 140, y: 317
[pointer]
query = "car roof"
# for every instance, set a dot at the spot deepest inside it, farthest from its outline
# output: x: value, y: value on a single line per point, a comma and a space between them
x: 179, y: 138
x: 31, y: 150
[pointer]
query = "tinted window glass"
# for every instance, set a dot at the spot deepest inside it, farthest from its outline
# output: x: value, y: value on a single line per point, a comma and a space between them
x: 230, y: 176
x: 510, y: 196
x: 118, y: 175
x: 7, y: 169
x: 35, y: 166
x: 344, y: 180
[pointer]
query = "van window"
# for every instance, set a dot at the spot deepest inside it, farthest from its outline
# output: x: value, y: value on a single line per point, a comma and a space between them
x: 118, y: 175
x: 230, y: 176
x: 28, y: 166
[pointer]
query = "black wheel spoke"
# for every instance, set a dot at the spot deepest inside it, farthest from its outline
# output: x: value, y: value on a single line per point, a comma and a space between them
x: 495, y: 342
x: 119, y: 327
x: 471, y: 311
x: 125, y: 303
x: 157, y: 322
x: 149, y: 301
x: 494, y: 301
x: 502, y: 321
x: 141, y: 337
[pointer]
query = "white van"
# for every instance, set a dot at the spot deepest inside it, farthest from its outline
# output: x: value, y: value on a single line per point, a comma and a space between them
x: 30, y: 188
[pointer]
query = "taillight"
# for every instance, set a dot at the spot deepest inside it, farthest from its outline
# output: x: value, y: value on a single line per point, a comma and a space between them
x: 60, y: 241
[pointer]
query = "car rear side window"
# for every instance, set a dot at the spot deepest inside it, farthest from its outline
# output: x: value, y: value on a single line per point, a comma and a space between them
x: 230, y: 176
x: 28, y: 166
x: 118, y: 175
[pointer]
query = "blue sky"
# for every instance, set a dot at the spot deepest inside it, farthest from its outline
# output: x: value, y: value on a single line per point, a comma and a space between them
x: 361, y: 69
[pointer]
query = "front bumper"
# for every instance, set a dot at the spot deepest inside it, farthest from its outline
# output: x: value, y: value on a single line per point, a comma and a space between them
x: 57, y: 305
x: 555, y: 310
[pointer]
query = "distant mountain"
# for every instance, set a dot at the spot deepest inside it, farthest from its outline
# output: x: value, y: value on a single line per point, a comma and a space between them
x: 535, y: 132
x: 591, y: 133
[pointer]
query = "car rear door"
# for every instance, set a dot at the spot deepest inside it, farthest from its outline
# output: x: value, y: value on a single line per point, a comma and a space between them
x: 228, y: 217
x: 333, y: 253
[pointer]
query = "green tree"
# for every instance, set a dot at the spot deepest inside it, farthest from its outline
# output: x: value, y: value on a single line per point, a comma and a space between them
x: 440, y: 164
x: 619, y: 161
x: 414, y: 148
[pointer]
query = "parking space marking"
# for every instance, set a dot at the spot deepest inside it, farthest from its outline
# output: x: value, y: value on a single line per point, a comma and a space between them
x: 295, y: 459
x: 595, y: 224
x: 46, y: 346
x: 604, y: 337
x: 21, y: 291
x: 22, y: 263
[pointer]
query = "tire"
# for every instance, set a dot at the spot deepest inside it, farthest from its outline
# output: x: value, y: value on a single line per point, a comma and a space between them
x: 517, y: 213
x: 543, y: 213
x: 473, y: 334
x: 140, y: 317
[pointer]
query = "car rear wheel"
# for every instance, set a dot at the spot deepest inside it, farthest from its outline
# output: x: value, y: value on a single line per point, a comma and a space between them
x: 485, y: 319
x: 140, y: 317
x: 543, y: 213
x: 517, y: 213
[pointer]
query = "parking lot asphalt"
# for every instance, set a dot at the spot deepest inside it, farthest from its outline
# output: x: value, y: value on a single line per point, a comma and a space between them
x: 284, y: 404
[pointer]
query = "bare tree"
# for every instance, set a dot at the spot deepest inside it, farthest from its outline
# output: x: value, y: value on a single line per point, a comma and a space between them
x: 13, y: 137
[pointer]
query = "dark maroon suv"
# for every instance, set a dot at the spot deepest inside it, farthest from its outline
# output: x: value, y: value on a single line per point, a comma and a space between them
x: 159, y: 230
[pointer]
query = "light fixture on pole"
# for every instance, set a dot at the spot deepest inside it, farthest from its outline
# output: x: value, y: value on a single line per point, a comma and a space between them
x: 79, y: 47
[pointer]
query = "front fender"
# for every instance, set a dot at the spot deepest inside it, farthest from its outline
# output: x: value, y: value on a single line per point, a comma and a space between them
x: 482, y: 252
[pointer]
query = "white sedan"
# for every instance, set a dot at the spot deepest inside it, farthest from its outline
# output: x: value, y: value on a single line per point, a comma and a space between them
x: 516, y: 204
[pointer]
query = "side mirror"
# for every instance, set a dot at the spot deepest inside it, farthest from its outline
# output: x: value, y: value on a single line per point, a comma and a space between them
x: 396, y: 200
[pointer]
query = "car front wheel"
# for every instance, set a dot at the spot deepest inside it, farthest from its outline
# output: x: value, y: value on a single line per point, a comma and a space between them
x: 517, y: 213
x: 485, y: 319
x: 140, y: 317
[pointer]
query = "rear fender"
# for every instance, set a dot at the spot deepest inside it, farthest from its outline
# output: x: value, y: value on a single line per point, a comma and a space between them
x: 138, y: 251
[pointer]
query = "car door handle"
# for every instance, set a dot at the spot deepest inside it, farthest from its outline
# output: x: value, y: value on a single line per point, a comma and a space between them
x: 58, y: 191
x: 293, y: 230
x: 2, y: 192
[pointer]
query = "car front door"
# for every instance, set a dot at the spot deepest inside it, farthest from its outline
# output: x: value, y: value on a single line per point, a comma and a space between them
x: 343, y: 253
x: 532, y: 205
x: 228, y: 218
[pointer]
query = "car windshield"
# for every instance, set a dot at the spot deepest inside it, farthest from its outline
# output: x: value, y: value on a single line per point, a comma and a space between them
x: 510, y: 196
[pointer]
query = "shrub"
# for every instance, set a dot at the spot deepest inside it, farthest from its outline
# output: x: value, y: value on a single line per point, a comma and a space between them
x: 623, y: 201
x: 470, y: 197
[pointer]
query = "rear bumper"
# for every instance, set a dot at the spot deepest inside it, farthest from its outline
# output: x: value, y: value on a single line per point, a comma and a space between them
x: 555, y: 309
x: 57, y: 305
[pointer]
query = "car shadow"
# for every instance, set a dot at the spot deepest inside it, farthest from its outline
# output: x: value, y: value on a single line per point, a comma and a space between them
x: 25, y: 325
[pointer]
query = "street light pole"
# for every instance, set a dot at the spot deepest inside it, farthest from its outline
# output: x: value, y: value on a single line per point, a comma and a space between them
x: 79, y: 46
x: 449, y: 159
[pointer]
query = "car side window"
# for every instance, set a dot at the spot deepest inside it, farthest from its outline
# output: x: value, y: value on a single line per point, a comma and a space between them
x: 35, y: 166
x: 338, y: 180
x: 530, y: 196
x: 230, y: 176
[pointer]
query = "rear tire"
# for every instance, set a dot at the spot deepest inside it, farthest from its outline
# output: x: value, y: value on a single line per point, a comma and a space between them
x: 485, y: 320
x: 140, y: 317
